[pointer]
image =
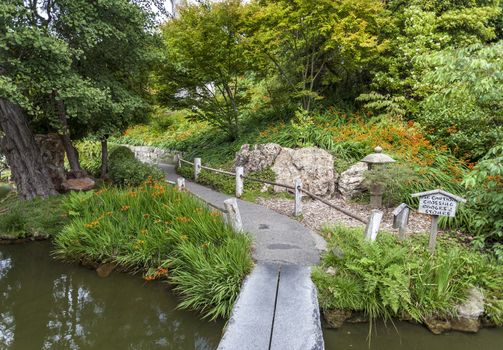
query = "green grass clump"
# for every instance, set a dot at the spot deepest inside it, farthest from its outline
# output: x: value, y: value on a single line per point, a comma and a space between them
x: 162, y: 233
x: 37, y: 217
x: 390, y: 278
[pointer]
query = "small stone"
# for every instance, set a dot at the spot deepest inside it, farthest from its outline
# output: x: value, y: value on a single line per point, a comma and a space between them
x: 469, y: 312
x: 437, y: 325
x: 335, y: 317
x: 105, y: 270
x: 331, y: 271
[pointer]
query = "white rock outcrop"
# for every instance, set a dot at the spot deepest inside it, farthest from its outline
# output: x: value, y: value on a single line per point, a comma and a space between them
x: 314, y: 166
x: 351, y: 180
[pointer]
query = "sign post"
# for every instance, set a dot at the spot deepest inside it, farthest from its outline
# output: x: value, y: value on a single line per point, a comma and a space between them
x: 437, y: 203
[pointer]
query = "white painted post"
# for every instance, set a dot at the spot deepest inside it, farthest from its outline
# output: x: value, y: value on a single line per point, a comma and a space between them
x: 180, y: 183
x: 433, y: 233
x: 402, y: 224
x: 401, y: 219
x: 197, y: 168
x: 239, y: 181
x: 233, y: 215
x: 297, y: 210
x: 373, y: 225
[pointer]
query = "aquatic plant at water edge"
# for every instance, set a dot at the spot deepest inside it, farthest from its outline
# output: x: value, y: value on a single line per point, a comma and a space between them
x: 162, y: 233
x: 391, y: 278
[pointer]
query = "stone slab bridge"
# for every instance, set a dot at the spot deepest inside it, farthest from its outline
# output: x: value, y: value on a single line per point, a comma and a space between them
x: 277, y: 307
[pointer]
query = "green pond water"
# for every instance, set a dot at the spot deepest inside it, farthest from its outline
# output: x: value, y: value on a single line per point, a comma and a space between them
x: 47, y: 304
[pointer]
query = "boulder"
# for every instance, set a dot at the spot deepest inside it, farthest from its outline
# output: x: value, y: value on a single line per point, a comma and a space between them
x: 335, y: 317
x: 469, y: 312
x: 79, y: 184
x: 314, y: 166
x: 104, y: 270
x: 53, y: 154
x: 257, y: 157
x: 351, y: 181
x: 437, y: 325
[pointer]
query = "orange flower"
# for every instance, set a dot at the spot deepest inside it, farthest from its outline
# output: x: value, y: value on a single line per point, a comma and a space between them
x: 146, y: 216
x: 183, y: 219
x: 125, y: 207
x: 149, y: 278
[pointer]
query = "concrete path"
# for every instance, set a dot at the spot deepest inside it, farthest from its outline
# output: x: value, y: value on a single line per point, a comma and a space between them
x: 277, y: 308
x: 277, y: 238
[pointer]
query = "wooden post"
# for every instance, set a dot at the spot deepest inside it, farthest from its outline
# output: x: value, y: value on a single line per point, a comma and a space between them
x: 197, y: 168
x: 402, y: 224
x: 233, y: 215
x: 176, y: 160
x: 433, y: 233
x: 239, y: 181
x: 373, y: 225
x: 180, y: 183
x: 401, y: 219
x: 297, y: 210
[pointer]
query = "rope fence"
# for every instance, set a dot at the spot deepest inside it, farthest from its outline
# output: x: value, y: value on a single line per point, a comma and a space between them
x: 372, y: 223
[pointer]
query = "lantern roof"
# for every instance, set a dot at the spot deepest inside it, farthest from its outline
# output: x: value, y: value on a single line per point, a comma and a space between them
x: 378, y: 157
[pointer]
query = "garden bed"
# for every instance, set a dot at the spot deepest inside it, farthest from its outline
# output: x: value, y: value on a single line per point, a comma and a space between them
x: 402, y: 280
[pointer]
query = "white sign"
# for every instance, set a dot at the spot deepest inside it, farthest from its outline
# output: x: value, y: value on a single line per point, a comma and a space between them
x: 437, y: 204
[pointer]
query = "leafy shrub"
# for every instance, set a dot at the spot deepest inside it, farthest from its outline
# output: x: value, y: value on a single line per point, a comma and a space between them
x: 390, y: 278
x: 90, y: 155
x: 163, y: 234
x: 396, y: 180
x: 121, y: 153
x: 463, y: 105
x: 125, y: 171
x: 485, y: 200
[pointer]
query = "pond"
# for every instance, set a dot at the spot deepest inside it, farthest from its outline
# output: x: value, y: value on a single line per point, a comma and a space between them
x: 408, y: 336
x: 47, y: 304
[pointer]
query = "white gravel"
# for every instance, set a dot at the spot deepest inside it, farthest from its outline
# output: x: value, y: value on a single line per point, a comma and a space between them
x: 317, y: 215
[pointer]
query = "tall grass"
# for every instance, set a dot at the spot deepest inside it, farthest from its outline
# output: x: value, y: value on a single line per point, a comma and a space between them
x: 390, y: 278
x: 162, y: 233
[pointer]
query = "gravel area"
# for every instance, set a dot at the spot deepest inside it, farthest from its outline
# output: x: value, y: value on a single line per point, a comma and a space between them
x: 317, y: 215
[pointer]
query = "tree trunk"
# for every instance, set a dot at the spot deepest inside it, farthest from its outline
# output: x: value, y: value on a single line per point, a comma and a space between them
x: 71, y: 154
x: 104, y: 158
x: 23, y: 155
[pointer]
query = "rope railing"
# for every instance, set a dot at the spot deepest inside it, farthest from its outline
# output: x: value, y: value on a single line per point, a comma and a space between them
x: 220, y: 171
x: 297, y: 188
x: 336, y: 207
x: 267, y: 182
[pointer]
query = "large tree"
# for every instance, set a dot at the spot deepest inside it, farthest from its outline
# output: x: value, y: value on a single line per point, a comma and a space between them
x: 207, y: 63
x: 74, y: 67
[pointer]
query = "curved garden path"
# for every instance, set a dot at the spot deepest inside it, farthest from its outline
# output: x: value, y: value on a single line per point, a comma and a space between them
x: 277, y: 307
x: 277, y: 238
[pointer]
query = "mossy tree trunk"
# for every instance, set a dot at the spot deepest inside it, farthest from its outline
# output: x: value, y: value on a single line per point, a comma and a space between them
x: 23, y: 155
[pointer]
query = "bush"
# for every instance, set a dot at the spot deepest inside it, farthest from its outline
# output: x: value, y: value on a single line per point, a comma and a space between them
x: 124, y: 171
x: 121, y: 153
x: 90, y: 155
x: 389, y: 278
x: 485, y: 201
x: 163, y: 234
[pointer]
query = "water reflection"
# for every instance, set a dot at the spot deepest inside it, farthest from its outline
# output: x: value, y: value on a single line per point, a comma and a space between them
x: 51, y: 305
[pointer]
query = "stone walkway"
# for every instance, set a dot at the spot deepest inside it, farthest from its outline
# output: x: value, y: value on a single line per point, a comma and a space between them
x: 277, y: 238
x: 277, y: 307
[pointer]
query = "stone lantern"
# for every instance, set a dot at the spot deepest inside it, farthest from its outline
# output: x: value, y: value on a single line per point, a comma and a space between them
x: 376, y: 188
